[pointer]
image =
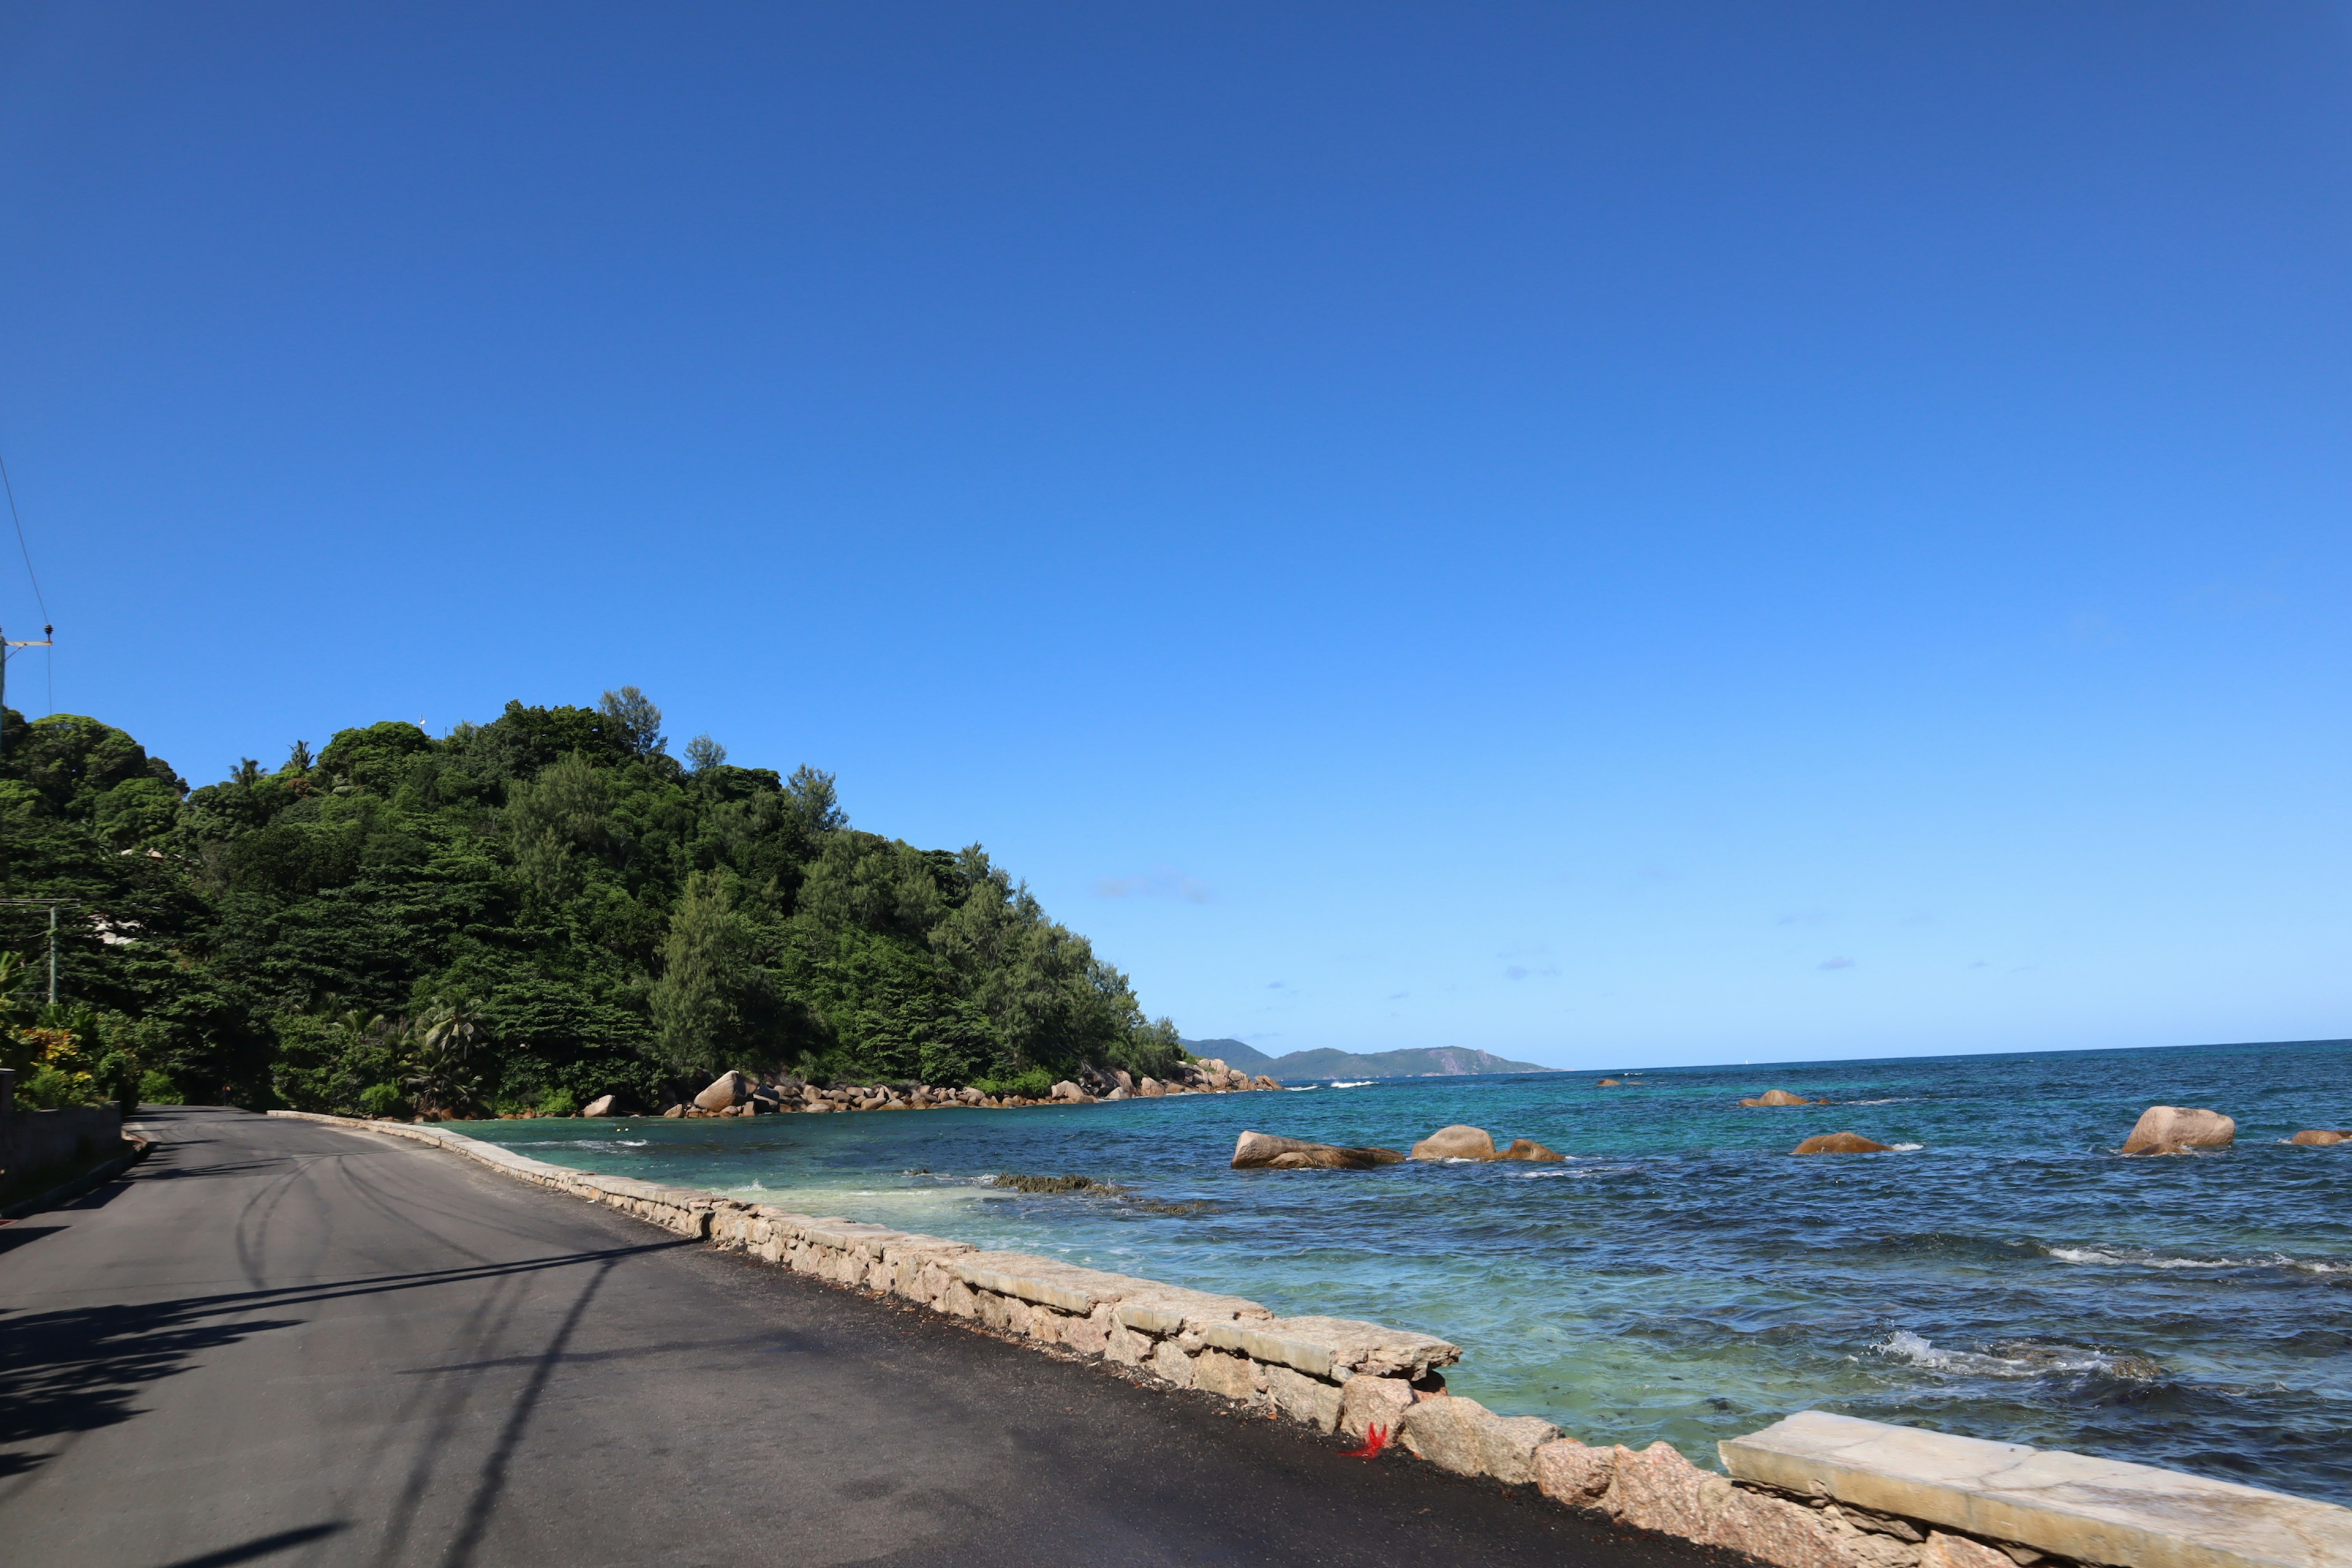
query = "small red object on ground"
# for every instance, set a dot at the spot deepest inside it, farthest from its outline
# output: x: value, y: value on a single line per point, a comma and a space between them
x: 1375, y: 1439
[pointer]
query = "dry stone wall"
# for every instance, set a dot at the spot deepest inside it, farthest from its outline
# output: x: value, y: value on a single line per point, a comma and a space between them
x: 1802, y: 1494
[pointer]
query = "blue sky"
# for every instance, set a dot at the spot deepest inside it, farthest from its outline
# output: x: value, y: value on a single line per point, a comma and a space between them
x: 1615, y: 535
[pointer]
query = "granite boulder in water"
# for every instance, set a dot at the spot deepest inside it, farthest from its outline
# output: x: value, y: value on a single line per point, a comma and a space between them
x: 1776, y: 1096
x: 1842, y: 1143
x: 1456, y: 1142
x: 2322, y: 1136
x: 1528, y: 1149
x: 2169, y: 1129
x: 1269, y: 1152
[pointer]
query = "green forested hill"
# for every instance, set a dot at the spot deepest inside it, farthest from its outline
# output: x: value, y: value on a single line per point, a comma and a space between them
x: 527, y: 912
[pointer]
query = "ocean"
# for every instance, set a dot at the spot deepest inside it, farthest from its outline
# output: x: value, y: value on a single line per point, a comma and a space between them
x: 2003, y: 1274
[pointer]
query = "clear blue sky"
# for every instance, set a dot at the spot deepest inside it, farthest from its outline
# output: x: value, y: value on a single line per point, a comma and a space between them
x: 1616, y: 535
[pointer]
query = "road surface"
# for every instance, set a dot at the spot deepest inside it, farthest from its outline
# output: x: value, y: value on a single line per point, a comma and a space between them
x: 300, y: 1346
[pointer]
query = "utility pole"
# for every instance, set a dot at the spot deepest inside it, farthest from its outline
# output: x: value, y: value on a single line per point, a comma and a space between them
x: 48, y: 638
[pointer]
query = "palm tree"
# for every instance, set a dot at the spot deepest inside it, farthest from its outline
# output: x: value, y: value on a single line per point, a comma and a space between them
x: 441, y: 1079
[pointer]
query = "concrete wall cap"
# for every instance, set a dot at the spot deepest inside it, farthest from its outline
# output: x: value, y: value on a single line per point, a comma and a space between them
x: 2099, y: 1510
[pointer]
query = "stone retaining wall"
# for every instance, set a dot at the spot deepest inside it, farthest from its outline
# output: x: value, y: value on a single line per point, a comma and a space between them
x: 32, y: 1139
x: 1812, y: 1491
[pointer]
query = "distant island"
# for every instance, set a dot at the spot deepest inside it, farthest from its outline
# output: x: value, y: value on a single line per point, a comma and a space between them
x: 1445, y: 1061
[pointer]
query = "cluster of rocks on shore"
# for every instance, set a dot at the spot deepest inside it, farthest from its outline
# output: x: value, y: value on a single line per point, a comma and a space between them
x: 739, y: 1093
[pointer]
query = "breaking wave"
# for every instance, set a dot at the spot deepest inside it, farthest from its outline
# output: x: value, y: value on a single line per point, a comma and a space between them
x: 2017, y: 1358
x: 2146, y: 1258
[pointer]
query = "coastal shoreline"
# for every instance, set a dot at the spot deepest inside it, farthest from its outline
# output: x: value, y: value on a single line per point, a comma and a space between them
x: 1347, y: 1378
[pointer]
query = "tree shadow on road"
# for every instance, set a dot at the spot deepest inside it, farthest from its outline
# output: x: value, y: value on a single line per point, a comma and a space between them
x: 80, y: 1368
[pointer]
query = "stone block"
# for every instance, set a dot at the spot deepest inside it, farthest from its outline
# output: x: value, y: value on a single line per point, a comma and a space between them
x: 1367, y: 1401
x: 1309, y: 1400
x: 2071, y: 1505
x: 1171, y: 1364
x: 1944, y: 1550
x: 1774, y: 1530
x: 1353, y: 1347
x: 1461, y: 1435
x: 1568, y: 1472
x: 1088, y: 1335
x: 1659, y: 1490
x: 1221, y: 1371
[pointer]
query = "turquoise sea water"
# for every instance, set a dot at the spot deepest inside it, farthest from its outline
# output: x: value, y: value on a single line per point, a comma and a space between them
x: 2004, y: 1275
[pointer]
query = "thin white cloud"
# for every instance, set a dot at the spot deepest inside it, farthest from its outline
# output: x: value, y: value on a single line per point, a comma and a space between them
x: 1161, y: 882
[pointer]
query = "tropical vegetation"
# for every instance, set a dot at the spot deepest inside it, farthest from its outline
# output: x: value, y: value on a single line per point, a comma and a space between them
x: 519, y: 915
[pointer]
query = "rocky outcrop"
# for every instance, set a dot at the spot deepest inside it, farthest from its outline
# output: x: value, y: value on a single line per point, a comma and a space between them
x: 2321, y: 1137
x: 1528, y: 1149
x: 1610, y: 1083
x: 1842, y: 1143
x: 1456, y: 1142
x: 1266, y: 1150
x: 2171, y: 1129
x: 603, y: 1105
x: 727, y: 1092
x: 1776, y: 1097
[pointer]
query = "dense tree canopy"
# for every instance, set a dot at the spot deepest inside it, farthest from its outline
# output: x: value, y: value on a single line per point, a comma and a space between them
x: 529, y: 912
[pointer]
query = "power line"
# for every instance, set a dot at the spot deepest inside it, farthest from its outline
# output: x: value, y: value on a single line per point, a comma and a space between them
x: 48, y: 633
x: 9, y: 485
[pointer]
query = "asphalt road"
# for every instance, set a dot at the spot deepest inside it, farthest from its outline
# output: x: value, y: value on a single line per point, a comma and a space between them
x: 287, y: 1343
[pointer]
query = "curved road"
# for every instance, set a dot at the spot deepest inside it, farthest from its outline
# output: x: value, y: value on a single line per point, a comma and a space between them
x: 287, y: 1343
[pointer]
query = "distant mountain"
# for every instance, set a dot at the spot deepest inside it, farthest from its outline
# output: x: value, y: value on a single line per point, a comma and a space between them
x: 1233, y: 1053
x: 1443, y: 1061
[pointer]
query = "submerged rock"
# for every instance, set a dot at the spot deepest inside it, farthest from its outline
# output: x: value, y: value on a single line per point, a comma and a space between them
x: 2169, y: 1129
x: 1528, y: 1149
x: 1267, y: 1151
x: 1776, y: 1097
x: 2322, y: 1138
x: 1456, y: 1142
x: 1610, y: 1083
x: 1842, y: 1143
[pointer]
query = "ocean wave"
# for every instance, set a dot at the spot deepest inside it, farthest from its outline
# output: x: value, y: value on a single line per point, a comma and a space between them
x: 2017, y: 1358
x: 2145, y: 1258
x: 1301, y: 1088
x: 1356, y: 1083
x: 1906, y: 1148
x: 607, y: 1146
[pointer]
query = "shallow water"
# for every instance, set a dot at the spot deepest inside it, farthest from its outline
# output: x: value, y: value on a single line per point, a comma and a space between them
x: 1681, y: 1276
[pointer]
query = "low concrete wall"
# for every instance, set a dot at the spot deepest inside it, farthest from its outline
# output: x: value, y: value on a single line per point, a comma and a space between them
x: 32, y: 1139
x: 1812, y: 1491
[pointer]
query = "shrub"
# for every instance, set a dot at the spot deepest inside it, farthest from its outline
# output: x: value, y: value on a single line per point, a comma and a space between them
x: 382, y: 1099
x: 1036, y: 1083
x: 558, y: 1102
x: 54, y: 1088
x: 157, y: 1089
